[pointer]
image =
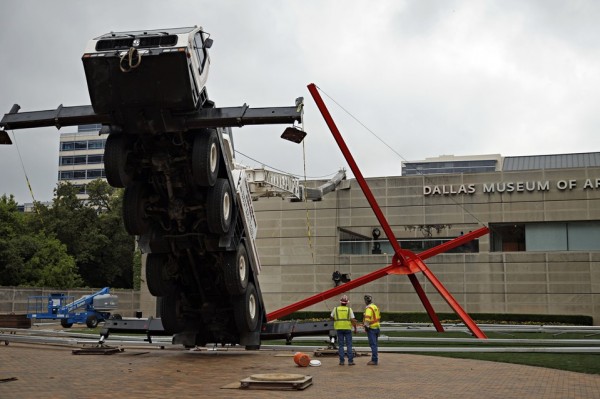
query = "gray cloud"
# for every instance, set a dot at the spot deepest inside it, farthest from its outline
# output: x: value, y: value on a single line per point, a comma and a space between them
x: 428, y: 77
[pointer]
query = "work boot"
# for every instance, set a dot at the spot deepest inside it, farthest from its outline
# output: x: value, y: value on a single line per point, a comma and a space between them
x: 372, y: 363
x: 351, y: 363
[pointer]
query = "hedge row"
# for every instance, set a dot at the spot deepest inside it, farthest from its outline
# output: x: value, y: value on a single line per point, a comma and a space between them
x: 485, y: 318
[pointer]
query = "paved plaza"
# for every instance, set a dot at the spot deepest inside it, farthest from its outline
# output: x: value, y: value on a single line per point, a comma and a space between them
x: 43, y: 371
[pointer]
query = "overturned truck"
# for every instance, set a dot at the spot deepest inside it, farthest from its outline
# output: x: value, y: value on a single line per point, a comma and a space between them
x: 171, y: 149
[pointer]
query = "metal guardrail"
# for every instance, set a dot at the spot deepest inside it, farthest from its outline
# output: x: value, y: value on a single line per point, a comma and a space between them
x: 446, y: 349
x: 68, y: 338
x: 490, y: 345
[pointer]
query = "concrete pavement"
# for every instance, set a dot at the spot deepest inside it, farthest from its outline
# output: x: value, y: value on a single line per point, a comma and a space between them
x: 43, y: 371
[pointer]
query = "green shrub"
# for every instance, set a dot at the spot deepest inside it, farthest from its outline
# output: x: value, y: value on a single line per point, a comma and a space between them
x: 482, y: 318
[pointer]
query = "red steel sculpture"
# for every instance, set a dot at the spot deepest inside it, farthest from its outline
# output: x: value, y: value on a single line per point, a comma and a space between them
x: 403, y: 261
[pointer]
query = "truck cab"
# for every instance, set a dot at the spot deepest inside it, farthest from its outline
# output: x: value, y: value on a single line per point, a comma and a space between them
x: 161, y: 69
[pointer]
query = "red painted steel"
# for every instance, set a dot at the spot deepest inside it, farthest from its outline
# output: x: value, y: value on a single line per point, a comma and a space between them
x: 390, y: 269
x: 357, y: 173
x: 423, y: 296
x: 401, y: 256
x: 357, y: 282
x: 448, y: 245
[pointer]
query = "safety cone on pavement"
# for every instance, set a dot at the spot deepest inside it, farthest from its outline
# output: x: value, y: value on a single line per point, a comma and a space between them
x: 301, y: 359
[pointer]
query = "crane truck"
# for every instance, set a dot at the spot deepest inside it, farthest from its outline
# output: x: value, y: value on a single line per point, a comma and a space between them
x: 171, y: 149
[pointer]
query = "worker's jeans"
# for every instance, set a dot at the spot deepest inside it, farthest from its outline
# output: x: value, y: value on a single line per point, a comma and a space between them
x: 372, y: 335
x: 345, y: 338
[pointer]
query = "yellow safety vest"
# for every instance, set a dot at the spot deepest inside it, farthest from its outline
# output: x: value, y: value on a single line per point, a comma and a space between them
x: 341, y: 317
x: 372, y: 316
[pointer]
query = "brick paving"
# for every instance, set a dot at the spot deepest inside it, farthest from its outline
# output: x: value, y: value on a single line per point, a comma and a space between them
x: 43, y: 371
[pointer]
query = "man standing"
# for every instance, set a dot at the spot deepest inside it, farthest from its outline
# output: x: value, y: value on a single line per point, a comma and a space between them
x: 371, y: 323
x: 344, y: 321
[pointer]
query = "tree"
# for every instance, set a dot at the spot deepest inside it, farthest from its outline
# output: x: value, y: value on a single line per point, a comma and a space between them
x: 46, y: 263
x: 70, y: 242
x: 117, y: 261
x: 31, y: 258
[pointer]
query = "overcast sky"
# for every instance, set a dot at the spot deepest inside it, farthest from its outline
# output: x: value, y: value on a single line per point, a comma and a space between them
x: 428, y: 78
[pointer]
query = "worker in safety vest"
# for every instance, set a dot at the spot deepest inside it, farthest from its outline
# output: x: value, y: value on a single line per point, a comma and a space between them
x: 344, y: 321
x: 371, y: 324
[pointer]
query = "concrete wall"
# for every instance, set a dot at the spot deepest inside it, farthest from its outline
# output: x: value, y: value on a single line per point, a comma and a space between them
x: 298, y: 244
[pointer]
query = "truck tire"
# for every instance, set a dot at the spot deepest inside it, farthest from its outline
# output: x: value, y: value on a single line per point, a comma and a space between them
x: 246, y: 309
x: 65, y: 323
x: 91, y: 321
x: 205, y: 158
x: 135, y: 200
x: 171, y: 313
x: 116, y: 150
x: 157, y: 280
x: 219, y: 207
x: 236, y: 270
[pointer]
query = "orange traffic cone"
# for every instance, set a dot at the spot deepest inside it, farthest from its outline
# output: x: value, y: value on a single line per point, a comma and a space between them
x: 301, y: 359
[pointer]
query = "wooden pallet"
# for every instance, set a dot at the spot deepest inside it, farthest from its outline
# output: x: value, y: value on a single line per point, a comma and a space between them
x: 98, y: 350
x: 14, y: 321
x: 277, y: 381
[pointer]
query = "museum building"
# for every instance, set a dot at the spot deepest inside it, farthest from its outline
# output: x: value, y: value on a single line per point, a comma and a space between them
x: 541, y: 256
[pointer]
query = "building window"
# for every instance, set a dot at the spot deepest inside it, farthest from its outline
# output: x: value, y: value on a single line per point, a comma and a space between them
x: 355, y: 244
x: 79, y: 160
x: 96, y: 144
x: 95, y: 173
x: 73, y: 145
x: 65, y: 175
x: 82, y: 145
x: 95, y: 159
x: 82, y: 160
x: 507, y: 237
x: 89, y: 128
x: 79, y: 174
x: 454, y: 167
x: 548, y: 236
x: 66, y: 160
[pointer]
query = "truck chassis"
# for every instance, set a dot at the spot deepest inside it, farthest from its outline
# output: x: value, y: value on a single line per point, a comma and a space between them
x: 171, y: 149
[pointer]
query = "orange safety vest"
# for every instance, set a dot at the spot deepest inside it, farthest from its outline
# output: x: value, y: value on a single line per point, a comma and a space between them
x: 341, y: 317
x: 372, y: 316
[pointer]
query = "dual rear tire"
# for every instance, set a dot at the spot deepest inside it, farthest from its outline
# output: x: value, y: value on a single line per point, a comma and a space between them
x: 171, y: 313
x: 236, y: 270
x: 205, y: 158
x: 246, y: 310
x: 219, y: 205
x: 116, y: 163
x: 157, y: 277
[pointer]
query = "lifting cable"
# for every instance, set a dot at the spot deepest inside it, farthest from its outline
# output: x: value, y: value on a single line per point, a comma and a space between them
x: 425, y: 177
x: 310, y: 245
x: 27, y: 178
